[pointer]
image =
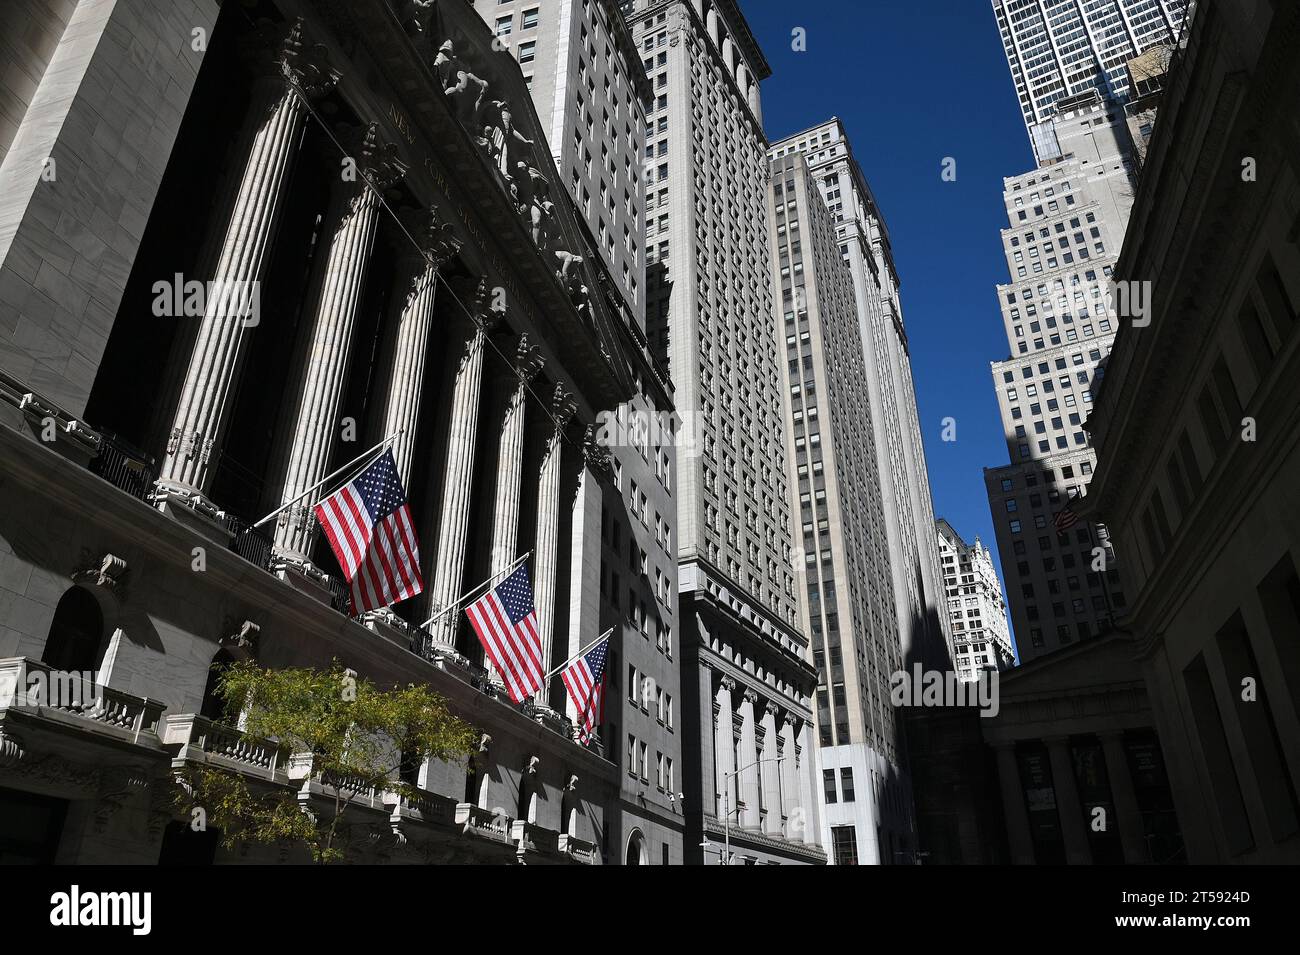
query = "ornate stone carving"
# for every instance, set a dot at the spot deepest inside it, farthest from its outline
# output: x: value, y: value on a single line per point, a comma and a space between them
x: 528, y: 360
x: 11, y: 749
x: 376, y: 159
x: 594, y: 454
x: 456, y: 80
x: 242, y: 639
x: 108, y: 571
x: 305, y: 67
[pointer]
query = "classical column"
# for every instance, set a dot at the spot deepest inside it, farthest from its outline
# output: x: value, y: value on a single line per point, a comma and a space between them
x: 770, y: 771
x: 404, y: 376
x: 202, y: 414
x: 1068, y: 807
x: 791, y: 820
x: 584, y: 552
x: 315, y: 421
x: 546, y: 550
x: 811, y: 831
x: 748, y: 758
x: 724, y: 749
x: 458, y: 472
x: 510, y: 462
x: 510, y: 458
x: 1019, y: 836
x: 1131, y: 834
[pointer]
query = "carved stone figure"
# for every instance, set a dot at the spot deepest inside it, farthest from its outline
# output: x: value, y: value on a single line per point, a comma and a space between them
x: 456, y: 80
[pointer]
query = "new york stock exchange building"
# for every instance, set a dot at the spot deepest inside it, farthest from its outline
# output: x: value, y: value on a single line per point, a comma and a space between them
x: 240, y: 243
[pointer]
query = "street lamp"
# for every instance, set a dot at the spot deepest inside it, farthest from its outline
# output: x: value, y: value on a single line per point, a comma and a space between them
x: 726, y: 804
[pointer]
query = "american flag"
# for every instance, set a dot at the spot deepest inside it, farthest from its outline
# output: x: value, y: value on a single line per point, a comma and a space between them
x: 1065, y: 518
x: 584, y: 678
x: 368, y: 523
x: 506, y: 623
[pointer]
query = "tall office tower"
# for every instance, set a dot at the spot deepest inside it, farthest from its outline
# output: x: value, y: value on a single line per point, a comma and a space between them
x: 835, y: 491
x: 590, y: 92
x: 590, y: 89
x: 747, y: 679
x: 1057, y: 49
x: 1067, y: 220
x: 904, y: 481
x: 981, y: 639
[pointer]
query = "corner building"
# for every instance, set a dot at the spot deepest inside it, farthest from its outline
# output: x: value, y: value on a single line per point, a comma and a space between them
x: 747, y: 685
x: 447, y: 292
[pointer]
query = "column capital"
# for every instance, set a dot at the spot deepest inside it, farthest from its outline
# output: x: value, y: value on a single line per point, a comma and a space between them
x: 528, y: 362
x: 751, y: 695
x: 435, y: 239
x: 277, y: 51
x: 483, y: 312
x: 595, y: 455
x: 376, y: 158
x: 727, y: 683
x: 563, y: 407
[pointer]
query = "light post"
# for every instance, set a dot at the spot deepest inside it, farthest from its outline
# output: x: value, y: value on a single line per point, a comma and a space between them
x: 726, y: 804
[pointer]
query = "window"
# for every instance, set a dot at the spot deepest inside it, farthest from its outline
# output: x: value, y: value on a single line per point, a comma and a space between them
x: 844, y: 844
x: 529, y: 20
x: 828, y: 782
x: 528, y: 51
x: 846, y: 784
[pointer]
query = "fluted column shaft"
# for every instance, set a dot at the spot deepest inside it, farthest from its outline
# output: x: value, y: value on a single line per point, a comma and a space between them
x: 749, y: 792
x: 546, y: 550
x: 724, y: 748
x: 510, y: 463
x: 458, y: 476
x: 769, y: 775
x: 316, y: 417
x: 202, y: 414
x: 406, y: 374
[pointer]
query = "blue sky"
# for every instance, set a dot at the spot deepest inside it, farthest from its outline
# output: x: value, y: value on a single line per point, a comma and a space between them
x: 915, y: 82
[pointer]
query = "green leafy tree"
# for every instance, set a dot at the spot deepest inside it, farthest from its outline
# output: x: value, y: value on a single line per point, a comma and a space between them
x: 356, y: 733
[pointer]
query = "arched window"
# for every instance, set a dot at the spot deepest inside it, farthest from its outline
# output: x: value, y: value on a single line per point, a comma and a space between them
x: 76, y: 639
x: 214, y: 707
x: 636, y: 848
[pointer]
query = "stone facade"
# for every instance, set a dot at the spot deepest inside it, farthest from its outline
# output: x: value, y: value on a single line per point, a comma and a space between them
x: 1196, y: 433
x: 981, y: 640
x: 376, y: 175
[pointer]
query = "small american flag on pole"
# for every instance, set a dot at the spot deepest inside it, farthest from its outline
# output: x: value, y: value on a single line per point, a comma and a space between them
x: 584, y: 678
x: 506, y: 623
x: 368, y: 523
x: 1065, y: 518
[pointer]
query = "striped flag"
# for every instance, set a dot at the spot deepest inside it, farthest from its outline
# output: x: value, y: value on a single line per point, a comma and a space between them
x: 506, y: 623
x: 368, y: 523
x: 1065, y: 518
x: 584, y: 678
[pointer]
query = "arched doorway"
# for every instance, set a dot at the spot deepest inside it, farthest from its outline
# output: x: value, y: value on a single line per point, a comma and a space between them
x: 636, y: 848
x: 76, y: 639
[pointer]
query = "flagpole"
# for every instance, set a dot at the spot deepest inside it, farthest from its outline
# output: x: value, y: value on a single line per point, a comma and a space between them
x: 546, y: 679
x: 321, y: 483
x: 476, y: 590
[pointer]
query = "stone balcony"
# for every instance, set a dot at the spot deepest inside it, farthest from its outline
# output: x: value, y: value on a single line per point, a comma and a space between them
x: 32, y: 688
x: 197, y: 741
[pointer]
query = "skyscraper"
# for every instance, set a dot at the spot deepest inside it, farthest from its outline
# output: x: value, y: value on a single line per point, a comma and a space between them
x: 895, y: 427
x: 1066, y: 222
x: 747, y: 683
x: 1057, y: 49
x: 849, y: 613
x: 981, y: 640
